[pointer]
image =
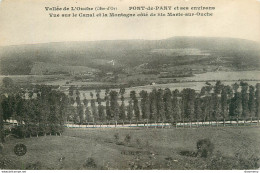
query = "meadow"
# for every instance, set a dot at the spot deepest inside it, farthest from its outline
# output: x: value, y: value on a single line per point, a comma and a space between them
x: 137, y: 148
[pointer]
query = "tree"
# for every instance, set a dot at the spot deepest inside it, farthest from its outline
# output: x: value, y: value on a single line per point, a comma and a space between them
x: 98, y: 96
x: 147, y: 108
x: 52, y: 118
x: 71, y: 91
x: 72, y: 101
x: 144, y: 99
x: 7, y: 107
x: 94, y: 109
x: 1, y: 123
x: 20, y: 108
x: 197, y: 109
x: 176, y: 106
x: 114, y: 106
x: 108, y: 110
x: 91, y: 95
x: 216, y: 107
x: 44, y: 113
x: 31, y: 117
x: 167, y: 98
x: 188, y: 96
x: 244, y: 97
x: 78, y: 100
x: 235, y: 109
x: 205, y: 107
x: 87, y: 114
x: 229, y: 92
x: 64, y: 104
x: 122, y: 91
x: 235, y: 87
x: 122, y: 114
x: 77, y: 93
x: 80, y: 113
x: 218, y: 87
x: 136, y: 107
x: 101, y: 113
x: 85, y: 102
x: 224, y: 103
x: 130, y: 111
x: 160, y: 105
x: 251, y: 101
x: 203, y: 91
x: 257, y: 95
x: 153, y: 105
x: 44, y: 110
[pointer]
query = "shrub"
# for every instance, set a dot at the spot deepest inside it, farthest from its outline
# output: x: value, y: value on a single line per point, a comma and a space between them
x: 204, y: 148
x: 188, y: 153
x: 90, y: 163
x: 116, y: 136
x: 19, y: 131
x: 127, y: 138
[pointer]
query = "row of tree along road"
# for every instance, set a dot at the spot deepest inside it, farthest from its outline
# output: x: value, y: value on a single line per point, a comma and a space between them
x: 43, y: 110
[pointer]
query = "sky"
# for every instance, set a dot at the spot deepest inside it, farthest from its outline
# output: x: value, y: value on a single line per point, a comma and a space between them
x: 27, y: 21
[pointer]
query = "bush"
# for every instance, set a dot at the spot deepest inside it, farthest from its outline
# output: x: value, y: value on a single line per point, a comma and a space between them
x: 90, y: 163
x: 204, y: 148
x: 188, y: 153
x: 116, y: 136
x: 19, y: 131
x: 127, y: 138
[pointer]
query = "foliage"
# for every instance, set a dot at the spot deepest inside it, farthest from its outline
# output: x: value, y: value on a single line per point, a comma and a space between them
x: 128, y: 138
x: 116, y: 136
x: 42, y: 110
x: 39, y: 111
x: 205, y: 147
x: 90, y: 163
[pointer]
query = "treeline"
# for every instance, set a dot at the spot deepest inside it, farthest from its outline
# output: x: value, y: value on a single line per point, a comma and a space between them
x: 38, y: 111
x: 41, y: 110
x: 213, y: 103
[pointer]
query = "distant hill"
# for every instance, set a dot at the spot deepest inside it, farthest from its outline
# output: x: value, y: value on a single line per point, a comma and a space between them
x: 233, y: 54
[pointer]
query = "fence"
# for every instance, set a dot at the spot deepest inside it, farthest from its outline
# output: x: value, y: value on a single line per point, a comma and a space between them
x: 115, y: 124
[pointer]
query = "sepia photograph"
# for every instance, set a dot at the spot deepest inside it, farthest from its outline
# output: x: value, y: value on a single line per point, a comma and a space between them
x: 129, y: 85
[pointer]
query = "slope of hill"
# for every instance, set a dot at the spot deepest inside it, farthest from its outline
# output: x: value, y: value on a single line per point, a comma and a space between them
x: 176, y: 52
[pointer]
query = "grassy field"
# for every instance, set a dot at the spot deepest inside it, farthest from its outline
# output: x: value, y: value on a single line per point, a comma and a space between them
x: 146, y: 149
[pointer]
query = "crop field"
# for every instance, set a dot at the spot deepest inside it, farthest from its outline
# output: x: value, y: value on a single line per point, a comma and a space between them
x: 196, y: 82
x: 136, y: 148
x: 38, y: 79
x: 228, y: 75
x: 172, y: 86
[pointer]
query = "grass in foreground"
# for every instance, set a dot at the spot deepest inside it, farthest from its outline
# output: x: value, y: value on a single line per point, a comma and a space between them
x: 137, y: 148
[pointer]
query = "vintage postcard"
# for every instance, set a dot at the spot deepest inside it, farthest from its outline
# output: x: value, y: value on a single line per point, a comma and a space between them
x: 129, y: 85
